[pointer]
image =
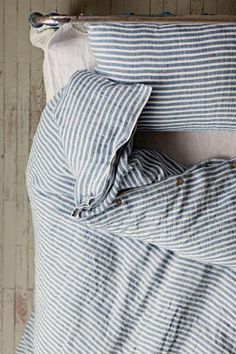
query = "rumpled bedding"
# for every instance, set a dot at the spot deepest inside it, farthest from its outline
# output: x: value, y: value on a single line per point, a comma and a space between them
x: 150, y: 269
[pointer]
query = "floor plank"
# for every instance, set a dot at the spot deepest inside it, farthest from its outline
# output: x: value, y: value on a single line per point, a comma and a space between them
x: 8, y: 338
x: 156, y: 7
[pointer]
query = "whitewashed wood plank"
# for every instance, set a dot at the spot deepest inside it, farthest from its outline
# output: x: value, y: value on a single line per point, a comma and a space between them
x: 21, y: 267
x: 31, y: 268
x: 21, y: 238
x: 37, y: 6
x: 23, y: 95
x: 10, y: 57
x: 210, y: 7
x: 138, y: 7
x: 2, y: 149
x: 171, y: 6
x: 1, y: 298
x: 29, y: 109
x: 34, y: 119
x: 30, y: 305
x: 37, y: 93
x: 103, y: 6
x: 22, y: 150
x: 21, y: 288
x: 24, y: 57
x: 1, y: 31
x: 1, y: 216
x: 10, y: 155
x: 2, y: 142
x: 50, y: 6
x: 63, y: 6
x: 157, y: 7
x: 2, y: 76
x: 233, y: 7
x: 8, y: 340
x: 36, y: 63
x: 23, y: 124
x: 1, y: 270
x: 223, y: 7
x: 21, y: 163
x: 1, y: 210
x: 10, y: 99
x: 30, y: 228
x: 9, y: 244
x: 23, y: 47
x: 36, y: 54
x: 183, y: 7
x: 10, y: 6
x: 1, y: 350
x: 196, y: 7
x: 92, y: 7
x: 117, y: 7
x: 98, y: 7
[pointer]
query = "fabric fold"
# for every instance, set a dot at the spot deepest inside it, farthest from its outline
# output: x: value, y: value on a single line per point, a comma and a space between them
x: 96, y: 118
x: 192, y: 213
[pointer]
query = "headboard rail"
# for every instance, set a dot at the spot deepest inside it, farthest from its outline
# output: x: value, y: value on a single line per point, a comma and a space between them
x: 37, y: 20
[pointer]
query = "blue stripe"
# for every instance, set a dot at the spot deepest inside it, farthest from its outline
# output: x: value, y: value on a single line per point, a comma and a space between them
x: 151, y: 268
x: 166, y: 56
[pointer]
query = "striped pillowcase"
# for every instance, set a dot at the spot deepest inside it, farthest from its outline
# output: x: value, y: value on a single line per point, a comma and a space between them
x: 96, y: 117
x: 191, y: 67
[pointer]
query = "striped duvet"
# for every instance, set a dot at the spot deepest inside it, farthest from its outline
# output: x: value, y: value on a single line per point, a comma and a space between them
x: 152, y: 271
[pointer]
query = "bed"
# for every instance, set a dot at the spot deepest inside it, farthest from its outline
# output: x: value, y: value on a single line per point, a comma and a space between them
x: 135, y: 245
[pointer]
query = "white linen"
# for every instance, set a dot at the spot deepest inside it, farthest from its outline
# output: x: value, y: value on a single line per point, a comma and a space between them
x: 66, y: 50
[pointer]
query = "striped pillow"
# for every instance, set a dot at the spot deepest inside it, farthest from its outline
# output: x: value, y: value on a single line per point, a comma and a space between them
x: 96, y: 118
x: 191, y: 67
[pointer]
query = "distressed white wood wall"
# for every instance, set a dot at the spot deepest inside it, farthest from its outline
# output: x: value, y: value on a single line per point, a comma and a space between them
x: 21, y: 101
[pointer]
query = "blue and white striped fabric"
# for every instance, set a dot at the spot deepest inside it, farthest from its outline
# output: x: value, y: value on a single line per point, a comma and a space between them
x: 154, y: 272
x: 103, y: 115
x: 191, y: 67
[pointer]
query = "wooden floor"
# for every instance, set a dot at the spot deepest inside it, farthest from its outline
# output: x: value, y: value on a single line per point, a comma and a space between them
x: 21, y: 101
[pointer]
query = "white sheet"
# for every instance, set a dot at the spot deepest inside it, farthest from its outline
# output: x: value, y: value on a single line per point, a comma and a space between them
x: 67, y: 50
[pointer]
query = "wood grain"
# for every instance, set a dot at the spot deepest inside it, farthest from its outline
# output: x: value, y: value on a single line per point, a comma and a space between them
x: 117, y: 7
x: 156, y: 7
x: 8, y: 335
x: 196, y: 7
x: 183, y: 7
x: 21, y: 288
x: 2, y: 137
x: 223, y: 7
x: 233, y: 7
x: 138, y: 7
x: 210, y: 7
x: 171, y: 6
x: 2, y: 143
x: 63, y: 6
